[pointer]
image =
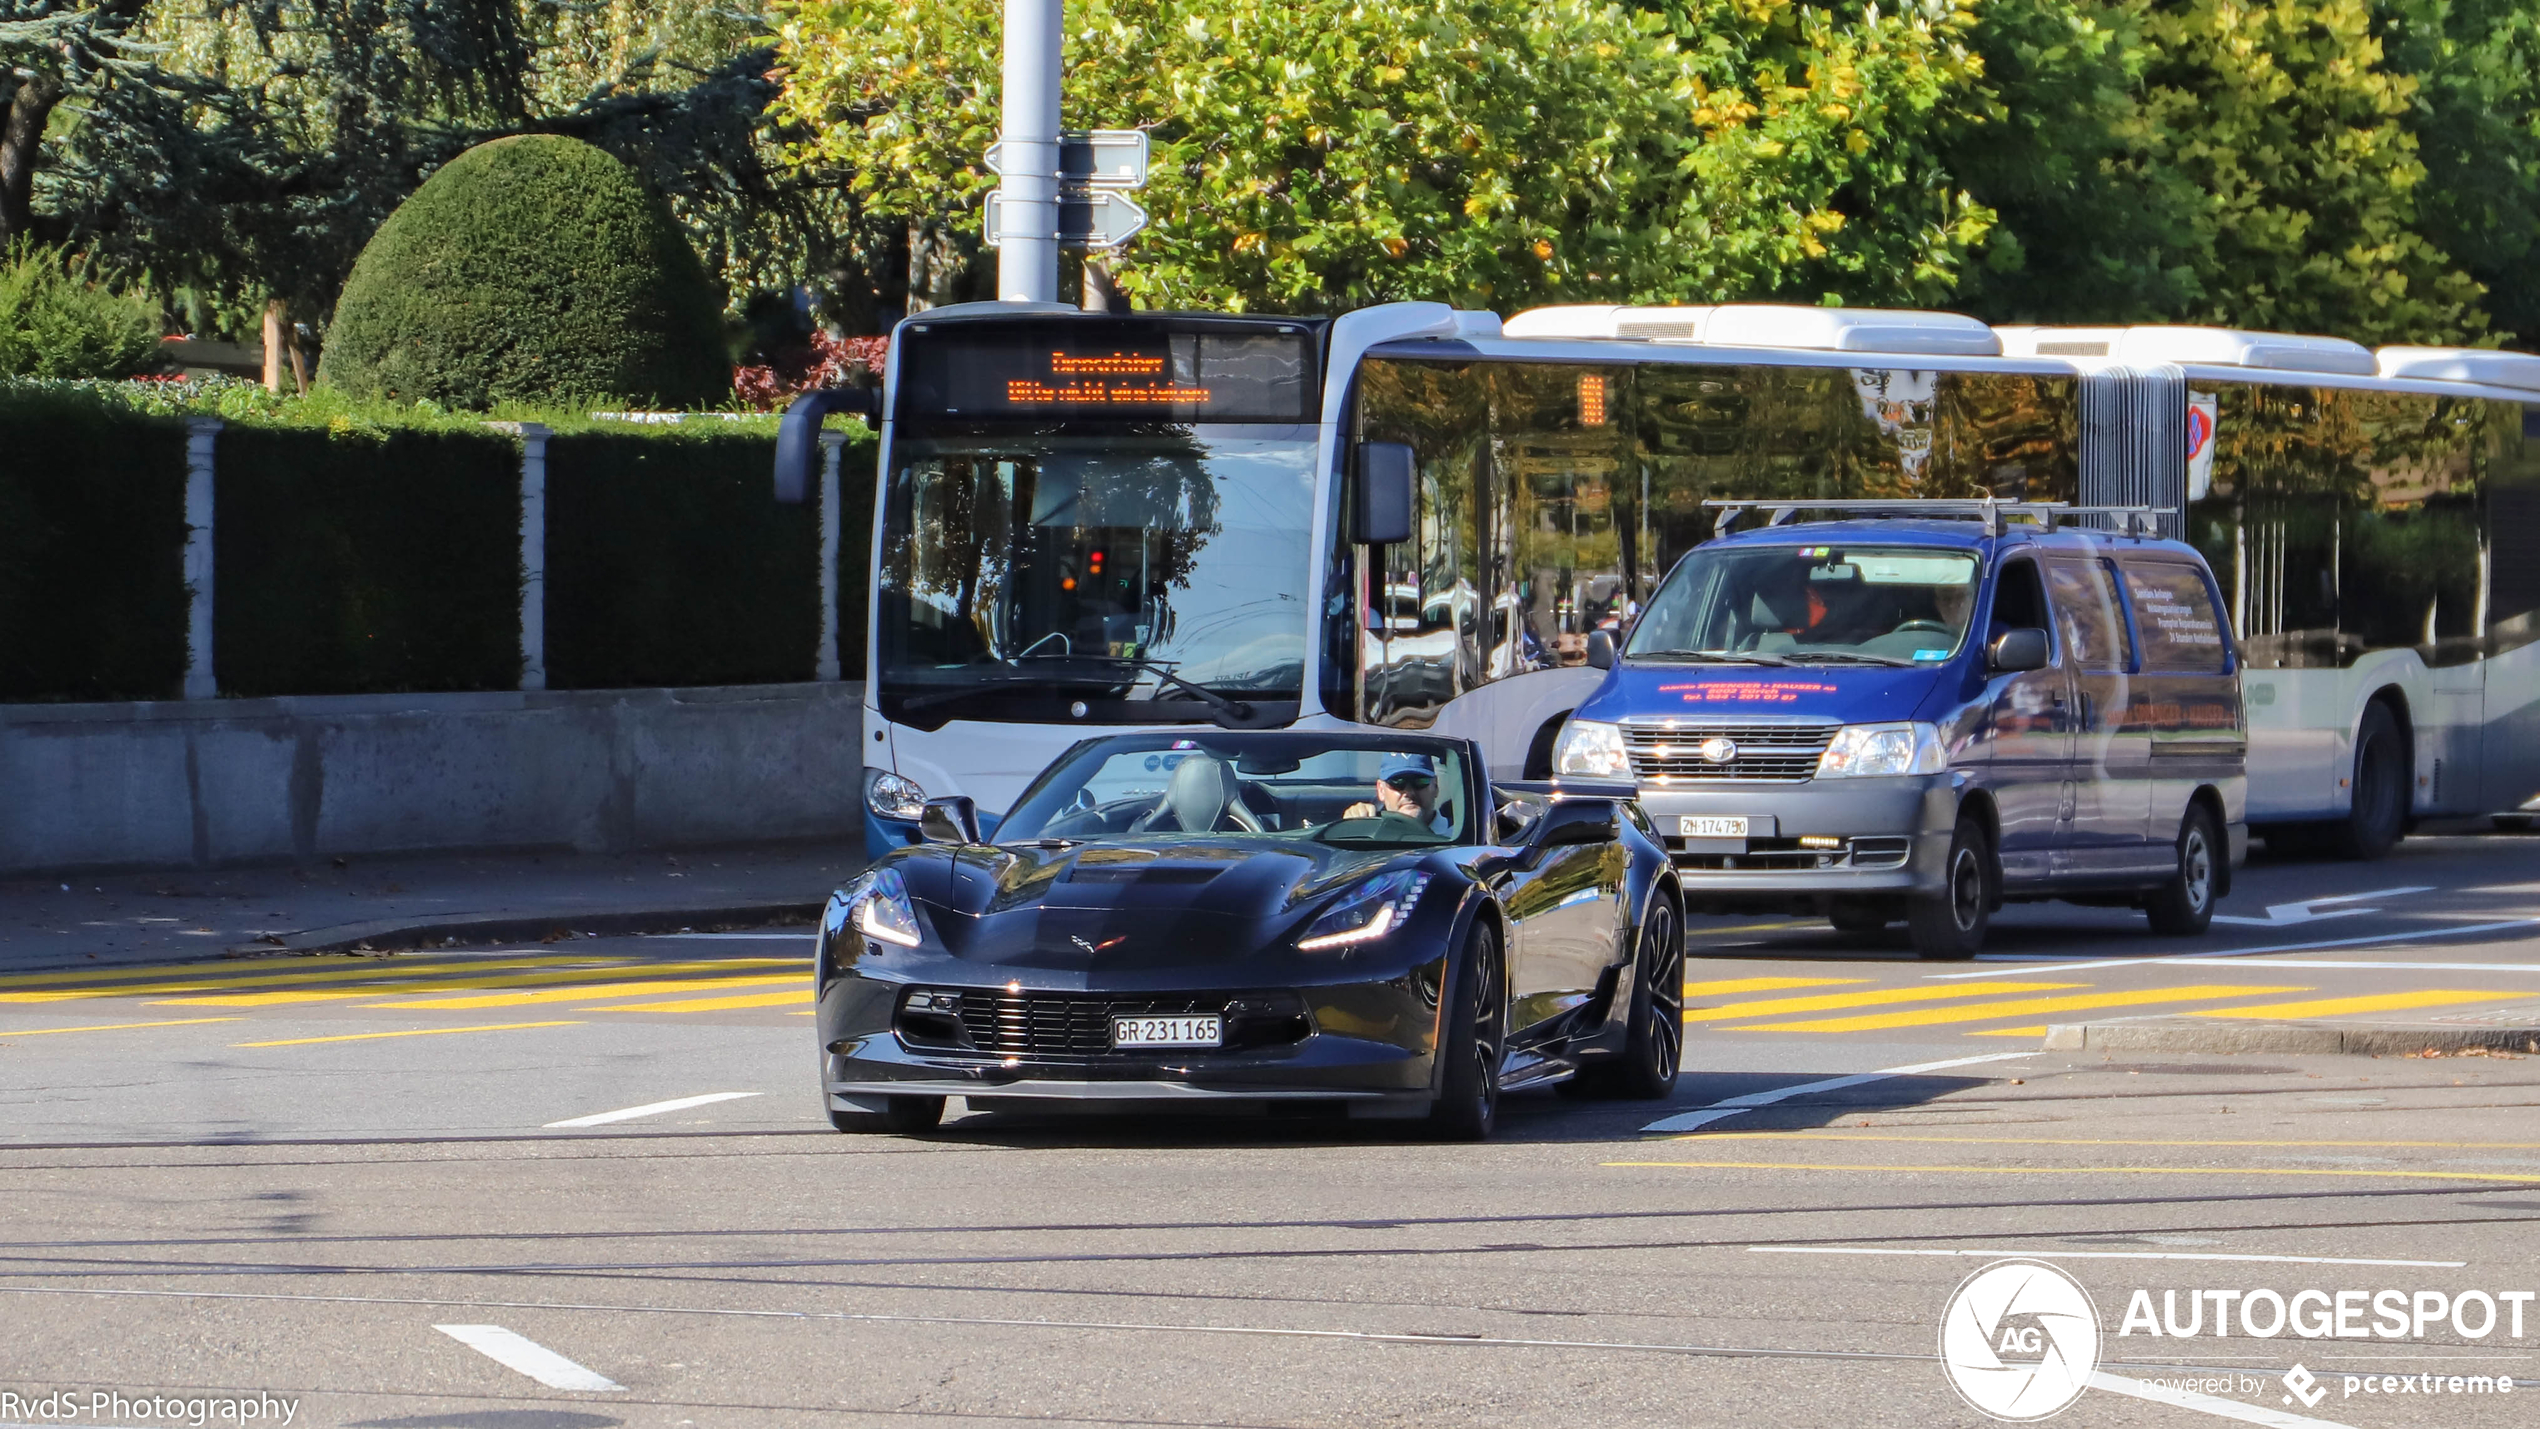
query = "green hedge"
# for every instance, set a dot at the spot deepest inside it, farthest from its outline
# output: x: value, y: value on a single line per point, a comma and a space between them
x: 92, y: 550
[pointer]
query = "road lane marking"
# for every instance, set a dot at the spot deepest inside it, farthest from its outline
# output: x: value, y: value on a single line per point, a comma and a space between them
x: 2018, y: 1007
x: 2381, y: 1002
x: 2396, y: 967
x: 2279, y: 1142
x: 473, y: 984
x: 716, y: 1004
x: 417, y: 1032
x: 648, y: 1109
x: 1763, y: 984
x: 1884, y: 1169
x: 593, y: 991
x: 1739, y: 1105
x: 2401, y: 937
x: 2285, y: 915
x: 518, y: 1352
x: 2037, y: 1031
x: 1827, y: 1002
x: 152, y: 982
x: 112, y: 1027
x: 2044, y: 1254
x: 2219, y: 1407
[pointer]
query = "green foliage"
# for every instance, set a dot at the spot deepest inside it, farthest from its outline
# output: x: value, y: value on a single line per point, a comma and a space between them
x: 56, y: 320
x: 2476, y: 117
x: 1322, y: 154
x: 529, y: 269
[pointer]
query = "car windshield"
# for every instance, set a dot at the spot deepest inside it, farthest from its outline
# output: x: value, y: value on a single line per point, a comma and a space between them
x: 1356, y: 790
x: 1899, y: 605
x: 1116, y: 567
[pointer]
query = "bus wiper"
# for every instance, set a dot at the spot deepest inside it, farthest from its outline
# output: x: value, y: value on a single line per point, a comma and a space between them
x: 1713, y: 657
x: 1850, y: 657
x: 1229, y: 713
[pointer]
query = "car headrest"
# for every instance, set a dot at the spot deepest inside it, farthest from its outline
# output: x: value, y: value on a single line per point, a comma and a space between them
x: 1198, y: 792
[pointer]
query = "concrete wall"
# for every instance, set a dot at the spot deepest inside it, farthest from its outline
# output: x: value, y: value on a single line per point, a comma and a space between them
x: 174, y: 784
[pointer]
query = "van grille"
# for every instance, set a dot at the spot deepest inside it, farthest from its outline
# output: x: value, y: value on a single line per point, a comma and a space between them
x: 1786, y: 753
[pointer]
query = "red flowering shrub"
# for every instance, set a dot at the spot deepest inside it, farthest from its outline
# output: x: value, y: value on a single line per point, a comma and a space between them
x: 825, y: 362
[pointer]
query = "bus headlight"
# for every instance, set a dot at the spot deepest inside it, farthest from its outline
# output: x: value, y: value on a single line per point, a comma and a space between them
x: 894, y: 797
x: 1593, y: 749
x: 1860, y: 750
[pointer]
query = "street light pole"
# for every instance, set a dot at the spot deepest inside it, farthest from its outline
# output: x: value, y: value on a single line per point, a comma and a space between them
x: 1027, y: 252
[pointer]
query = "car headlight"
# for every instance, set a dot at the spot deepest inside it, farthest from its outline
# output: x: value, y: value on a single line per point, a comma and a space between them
x: 1867, y: 749
x: 894, y: 797
x: 1368, y: 912
x: 1592, y: 748
x: 878, y: 905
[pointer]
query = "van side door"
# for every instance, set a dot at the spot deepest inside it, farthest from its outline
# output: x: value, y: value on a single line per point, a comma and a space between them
x: 2185, y: 695
x: 2028, y: 732
x: 2112, y: 752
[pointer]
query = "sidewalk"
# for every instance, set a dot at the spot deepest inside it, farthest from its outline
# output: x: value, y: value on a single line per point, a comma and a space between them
x: 393, y: 903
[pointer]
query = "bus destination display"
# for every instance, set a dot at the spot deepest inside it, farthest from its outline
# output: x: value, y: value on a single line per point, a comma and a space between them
x: 1123, y: 372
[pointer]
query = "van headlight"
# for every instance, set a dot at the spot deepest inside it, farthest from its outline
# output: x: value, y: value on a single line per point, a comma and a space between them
x: 1860, y: 750
x: 894, y: 796
x: 1593, y: 749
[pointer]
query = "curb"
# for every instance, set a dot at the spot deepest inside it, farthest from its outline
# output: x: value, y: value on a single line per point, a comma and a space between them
x: 2185, y: 1034
x: 397, y: 934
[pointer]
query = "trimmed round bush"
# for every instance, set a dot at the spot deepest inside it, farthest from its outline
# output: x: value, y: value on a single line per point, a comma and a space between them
x: 530, y: 269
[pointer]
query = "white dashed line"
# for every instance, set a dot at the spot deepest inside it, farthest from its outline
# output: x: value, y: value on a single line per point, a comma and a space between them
x: 1739, y: 1106
x: 514, y: 1351
x: 603, y: 1118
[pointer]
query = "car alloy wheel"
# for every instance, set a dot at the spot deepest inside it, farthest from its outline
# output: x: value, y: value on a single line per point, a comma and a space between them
x: 1468, y: 1092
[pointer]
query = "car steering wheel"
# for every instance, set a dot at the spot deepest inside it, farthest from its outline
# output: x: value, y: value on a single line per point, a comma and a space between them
x: 1922, y: 625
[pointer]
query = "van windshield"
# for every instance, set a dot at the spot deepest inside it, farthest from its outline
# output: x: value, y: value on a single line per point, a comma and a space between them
x: 1799, y: 605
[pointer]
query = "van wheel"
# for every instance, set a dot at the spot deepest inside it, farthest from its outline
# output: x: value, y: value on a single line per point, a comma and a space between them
x: 907, y: 1116
x: 2379, y: 813
x: 2184, y: 906
x: 1950, y: 926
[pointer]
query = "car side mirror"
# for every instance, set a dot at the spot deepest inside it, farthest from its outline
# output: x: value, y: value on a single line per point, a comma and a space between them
x: 2016, y: 650
x: 1600, y: 650
x: 798, y: 435
x: 1384, y: 493
x: 1514, y: 818
x: 953, y: 819
x: 1578, y: 821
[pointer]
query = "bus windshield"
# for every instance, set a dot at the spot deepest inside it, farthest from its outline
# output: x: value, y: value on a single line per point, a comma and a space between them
x: 1775, y: 605
x: 1024, y: 572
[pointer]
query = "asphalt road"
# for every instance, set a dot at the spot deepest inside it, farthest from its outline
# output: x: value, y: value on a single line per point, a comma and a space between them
x: 286, y: 1178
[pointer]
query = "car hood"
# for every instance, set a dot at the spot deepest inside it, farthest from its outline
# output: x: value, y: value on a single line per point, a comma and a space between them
x: 1850, y: 694
x: 1123, y: 905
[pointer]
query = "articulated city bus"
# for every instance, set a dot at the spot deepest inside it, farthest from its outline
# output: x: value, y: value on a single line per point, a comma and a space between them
x: 1090, y: 521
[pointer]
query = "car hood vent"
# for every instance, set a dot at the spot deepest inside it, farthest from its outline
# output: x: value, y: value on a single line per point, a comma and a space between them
x: 1149, y: 874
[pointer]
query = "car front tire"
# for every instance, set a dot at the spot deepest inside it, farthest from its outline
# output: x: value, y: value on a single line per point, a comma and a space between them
x: 1468, y: 1092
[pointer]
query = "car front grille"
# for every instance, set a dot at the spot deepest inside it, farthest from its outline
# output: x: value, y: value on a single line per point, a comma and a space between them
x: 1665, y: 753
x: 1077, y: 1026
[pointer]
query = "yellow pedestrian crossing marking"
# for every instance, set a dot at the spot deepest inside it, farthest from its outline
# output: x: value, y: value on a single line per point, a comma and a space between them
x: 593, y: 991
x: 111, y: 1027
x: 186, y: 977
x: 715, y: 1004
x: 2020, y: 1007
x: 2038, y: 1031
x: 2384, y: 1002
x: 1774, y: 1007
x: 1763, y: 984
x: 471, y: 984
x: 416, y: 1032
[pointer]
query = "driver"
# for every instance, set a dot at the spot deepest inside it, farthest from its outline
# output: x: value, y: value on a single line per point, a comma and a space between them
x: 1406, y: 784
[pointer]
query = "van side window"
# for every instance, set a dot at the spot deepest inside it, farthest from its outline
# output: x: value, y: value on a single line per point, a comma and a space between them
x: 2087, y: 614
x: 2018, y: 601
x: 2174, y: 617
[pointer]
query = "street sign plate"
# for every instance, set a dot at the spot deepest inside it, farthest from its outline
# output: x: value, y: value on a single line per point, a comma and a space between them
x: 1101, y: 219
x: 1096, y: 158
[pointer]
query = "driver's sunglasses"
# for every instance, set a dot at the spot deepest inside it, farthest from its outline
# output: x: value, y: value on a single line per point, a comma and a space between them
x: 1410, y: 783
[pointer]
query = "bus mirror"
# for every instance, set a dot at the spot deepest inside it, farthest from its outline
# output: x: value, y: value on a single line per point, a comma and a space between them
x: 798, y: 437
x: 1600, y: 650
x: 1384, y: 493
x: 2016, y: 650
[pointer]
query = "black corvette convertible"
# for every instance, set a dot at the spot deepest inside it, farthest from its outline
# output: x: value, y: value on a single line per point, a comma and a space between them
x: 1360, y: 921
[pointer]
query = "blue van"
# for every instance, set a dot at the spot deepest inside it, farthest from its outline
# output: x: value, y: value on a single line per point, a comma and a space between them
x: 1919, y: 717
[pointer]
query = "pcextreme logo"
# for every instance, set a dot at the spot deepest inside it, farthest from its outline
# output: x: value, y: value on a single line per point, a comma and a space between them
x: 2019, y: 1340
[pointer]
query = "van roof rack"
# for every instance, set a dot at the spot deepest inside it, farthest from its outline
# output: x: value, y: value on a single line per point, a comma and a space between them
x: 2136, y: 520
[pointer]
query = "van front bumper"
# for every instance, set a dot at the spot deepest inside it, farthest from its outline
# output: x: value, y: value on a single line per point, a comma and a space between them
x: 1892, y: 839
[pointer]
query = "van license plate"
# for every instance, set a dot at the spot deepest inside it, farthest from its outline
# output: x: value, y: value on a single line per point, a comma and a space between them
x: 1167, y: 1032
x: 1710, y: 826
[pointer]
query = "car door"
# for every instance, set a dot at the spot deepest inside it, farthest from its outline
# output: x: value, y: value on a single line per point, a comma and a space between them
x: 1567, y: 908
x: 2111, y: 791
x: 2028, y: 732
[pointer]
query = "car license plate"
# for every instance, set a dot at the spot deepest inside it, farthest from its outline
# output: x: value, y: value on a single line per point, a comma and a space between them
x: 1167, y: 1031
x: 1710, y: 826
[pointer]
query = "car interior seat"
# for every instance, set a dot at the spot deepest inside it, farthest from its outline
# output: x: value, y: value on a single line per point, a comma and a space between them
x: 1202, y: 797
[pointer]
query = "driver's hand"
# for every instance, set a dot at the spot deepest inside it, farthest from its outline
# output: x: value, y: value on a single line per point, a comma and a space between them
x: 1361, y: 811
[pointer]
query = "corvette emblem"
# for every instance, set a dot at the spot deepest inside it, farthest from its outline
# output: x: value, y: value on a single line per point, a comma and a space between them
x: 1097, y: 947
x: 1081, y: 942
x: 1718, y: 749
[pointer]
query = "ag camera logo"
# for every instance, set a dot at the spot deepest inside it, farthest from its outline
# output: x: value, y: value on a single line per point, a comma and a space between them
x: 2019, y: 1340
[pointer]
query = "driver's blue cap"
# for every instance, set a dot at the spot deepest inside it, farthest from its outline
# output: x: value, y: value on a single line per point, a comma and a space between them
x: 1405, y: 764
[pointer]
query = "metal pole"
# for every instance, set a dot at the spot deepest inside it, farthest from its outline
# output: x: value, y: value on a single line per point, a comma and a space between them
x: 1027, y: 255
x: 201, y: 434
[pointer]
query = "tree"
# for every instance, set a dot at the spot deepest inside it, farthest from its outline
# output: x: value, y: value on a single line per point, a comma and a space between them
x: 2475, y: 115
